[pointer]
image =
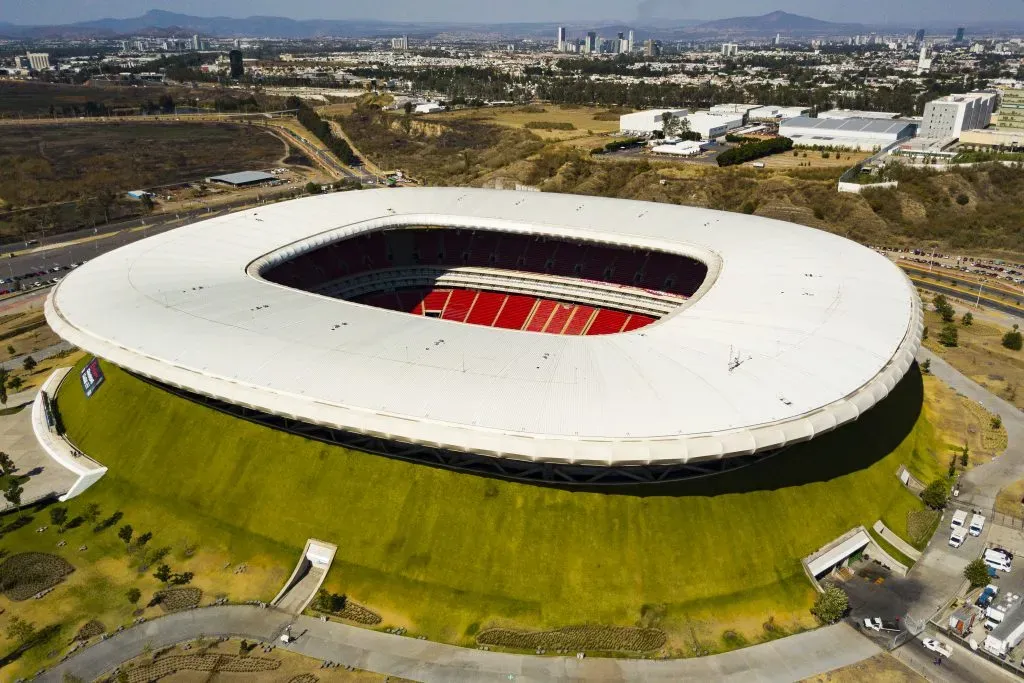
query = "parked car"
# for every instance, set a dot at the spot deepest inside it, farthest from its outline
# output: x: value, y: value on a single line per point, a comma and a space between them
x: 873, y: 623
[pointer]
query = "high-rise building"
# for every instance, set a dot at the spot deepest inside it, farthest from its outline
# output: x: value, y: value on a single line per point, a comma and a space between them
x: 730, y: 49
x: 778, y: 38
x: 919, y: 38
x: 651, y: 48
x: 632, y: 38
x: 1011, y: 109
x: 947, y: 116
x: 561, y: 39
x: 400, y: 43
x: 237, y: 69
x: 924, y: 60
x: 591, y: 44
x: 959, y: 35
x: 195, y: 43
x: 38, y: 61
x: 238, y: 43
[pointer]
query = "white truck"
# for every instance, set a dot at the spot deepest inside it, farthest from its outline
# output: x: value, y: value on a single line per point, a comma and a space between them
x: 957, y: 538
x: 959, y: 520
x: 977, y: 524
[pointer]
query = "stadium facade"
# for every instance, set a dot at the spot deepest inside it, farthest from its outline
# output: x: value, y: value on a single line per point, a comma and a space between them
x: 530, y: 335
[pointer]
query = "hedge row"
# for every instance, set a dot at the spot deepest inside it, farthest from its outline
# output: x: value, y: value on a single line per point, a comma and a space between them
x: 754, y: 150
x: 616, y: 145
x: 577, y: 638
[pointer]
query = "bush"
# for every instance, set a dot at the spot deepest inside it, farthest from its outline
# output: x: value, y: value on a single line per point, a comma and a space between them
x: 963, y: 199
x: 754, y: 150
x: 549, y: 125
x: 949, y: 335
x: 943, y: 308
x: 830, y: 606
x: 967, y: 320
x: 936, y: 494
x: 1013, y: 340
x: 976, y: 572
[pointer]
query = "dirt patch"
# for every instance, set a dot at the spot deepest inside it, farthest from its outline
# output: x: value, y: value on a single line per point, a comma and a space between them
x: 882, y: 668
x: 577, y: 639
x: 165, y: 666
x: 25, y: 574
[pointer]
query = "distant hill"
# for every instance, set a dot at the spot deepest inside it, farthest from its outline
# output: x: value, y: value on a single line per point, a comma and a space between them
x: 774, y: 22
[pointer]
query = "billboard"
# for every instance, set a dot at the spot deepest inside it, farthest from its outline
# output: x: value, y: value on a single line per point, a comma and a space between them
x: 92, y: 377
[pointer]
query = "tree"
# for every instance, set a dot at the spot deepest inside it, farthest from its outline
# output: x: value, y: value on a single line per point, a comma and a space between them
x: 133, y: 595
x: 6, y: 463
x: 10, y: 350
x: 1013, y: 339
x: 125, y: 533
x: 831, y: 605
x: 13, y: 493
x: 5, y: 375
x: 20, y: 630
x: 143, y: 539
x: 181, y: 579
x: 312, y: 188
x: 967, y: 320
x: 15, y: 383
x: 926, y: 366
x: 162, y: 573
x: 996, y: 422
x: 943, y: 308
x: 936, y: 494
x: 29, y: 364
x: 976, y: 572
x: 58, y: 516
x: 965, y: 457
x: 949, y: 335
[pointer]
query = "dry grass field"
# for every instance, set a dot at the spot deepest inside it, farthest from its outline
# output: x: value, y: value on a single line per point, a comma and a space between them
x: 591, y: 124
x: 811, y: 159
x: 882, y: 668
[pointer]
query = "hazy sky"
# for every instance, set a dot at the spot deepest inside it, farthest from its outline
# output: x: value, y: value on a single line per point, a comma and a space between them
x: 867, y: 11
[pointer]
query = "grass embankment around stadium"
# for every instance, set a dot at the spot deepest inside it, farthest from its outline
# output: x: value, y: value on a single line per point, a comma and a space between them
x: 446, y: 554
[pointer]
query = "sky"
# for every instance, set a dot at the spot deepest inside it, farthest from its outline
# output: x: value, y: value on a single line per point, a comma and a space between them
x: 863, y: 11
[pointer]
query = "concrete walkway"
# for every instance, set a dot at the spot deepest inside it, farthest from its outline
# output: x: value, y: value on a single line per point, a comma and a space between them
x: 785, y: 660
x: 17, y: 439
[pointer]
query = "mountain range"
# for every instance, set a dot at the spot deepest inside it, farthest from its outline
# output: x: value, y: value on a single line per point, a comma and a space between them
x: 163, y: 23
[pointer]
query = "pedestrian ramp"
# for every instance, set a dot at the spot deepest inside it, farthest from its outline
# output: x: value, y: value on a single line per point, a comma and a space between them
x: 306, y: 578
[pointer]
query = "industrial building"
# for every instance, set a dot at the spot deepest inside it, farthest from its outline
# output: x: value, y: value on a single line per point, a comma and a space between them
x: 863, y: 134
x: 647, y: 121
x: 711, y: 125
x: 1002, y: 138
x: 686, y: 148
x: 947, y: 116
x: 771, y: 112
x: 856, y: 114
x: 243, y: 178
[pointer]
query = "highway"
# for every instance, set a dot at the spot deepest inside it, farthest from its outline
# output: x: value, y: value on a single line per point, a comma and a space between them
x: 994, y: 304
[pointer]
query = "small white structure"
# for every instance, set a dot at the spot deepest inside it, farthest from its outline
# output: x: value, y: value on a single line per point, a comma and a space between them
x: 648, y: 121
x: 686, y: 148
x: 771, y: 112
x: 428, y: 108
x: 733, y: 108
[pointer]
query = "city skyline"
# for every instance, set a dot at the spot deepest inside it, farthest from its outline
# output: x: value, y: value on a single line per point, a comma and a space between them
x: 43, y: 12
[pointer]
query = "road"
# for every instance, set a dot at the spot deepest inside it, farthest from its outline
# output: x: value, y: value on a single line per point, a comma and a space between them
x: 788, y: 659
x: 962, y: 667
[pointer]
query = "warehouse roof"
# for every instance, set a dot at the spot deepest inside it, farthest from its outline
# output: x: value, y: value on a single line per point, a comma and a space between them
x: 794, y: 332
x: 880, y: 126
x: 243, y: 178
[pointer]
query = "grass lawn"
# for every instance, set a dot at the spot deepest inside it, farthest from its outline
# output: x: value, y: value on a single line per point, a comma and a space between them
x: 446, y: 554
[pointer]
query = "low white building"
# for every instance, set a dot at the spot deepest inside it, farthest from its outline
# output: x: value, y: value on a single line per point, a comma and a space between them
x: 647, y: 121
x: 732, y: 108
x: 771, y: 112
x: 864, y: 134
x: 711, y: 126
x: 428, y: 108
x: 686, y: 148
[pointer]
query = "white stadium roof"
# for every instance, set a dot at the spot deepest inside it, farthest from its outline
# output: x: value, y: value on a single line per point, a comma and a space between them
x: 822, y: 328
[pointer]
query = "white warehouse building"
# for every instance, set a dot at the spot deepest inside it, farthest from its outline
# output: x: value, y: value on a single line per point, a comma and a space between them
x: 854, y: 133
x: 711, y: 126
x: 647, y: 121
x: 947, y: 116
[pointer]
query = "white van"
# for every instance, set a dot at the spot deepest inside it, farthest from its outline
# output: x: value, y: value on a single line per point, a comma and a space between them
x: 998, y: 563
x: 959, y: 519
x: 957, y: 538
x: 977, y: 524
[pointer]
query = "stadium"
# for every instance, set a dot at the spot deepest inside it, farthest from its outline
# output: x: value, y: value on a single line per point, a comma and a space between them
x: 530, y: 336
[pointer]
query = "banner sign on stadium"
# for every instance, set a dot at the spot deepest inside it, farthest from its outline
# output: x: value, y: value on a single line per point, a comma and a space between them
x: 92, y: 377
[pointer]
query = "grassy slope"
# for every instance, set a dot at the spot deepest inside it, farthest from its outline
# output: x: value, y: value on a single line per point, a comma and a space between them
x: 439, y: 551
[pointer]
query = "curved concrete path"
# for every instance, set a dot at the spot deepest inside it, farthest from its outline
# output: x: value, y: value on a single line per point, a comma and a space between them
x: 784, y: 660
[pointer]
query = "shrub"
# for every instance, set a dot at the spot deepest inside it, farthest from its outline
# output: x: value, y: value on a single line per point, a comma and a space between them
x: 926, y: 366
x: 949, y: 335
x: 943, y: 308
x: 996, y: 422
x: 1013, y: 340
x: 577, y: 638
x: 967, y: 320
x: 25, y: 574
x: 963, y: 199
x: 549, y: 125
x: 831, y: 605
